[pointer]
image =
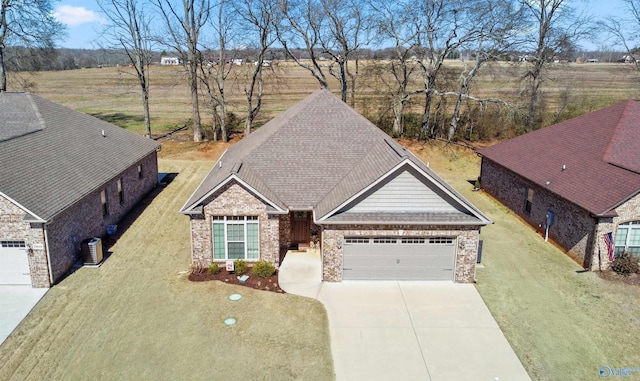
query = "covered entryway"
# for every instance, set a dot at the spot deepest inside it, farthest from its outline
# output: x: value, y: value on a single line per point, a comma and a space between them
x: 300, y: 228
x: 14, y: 263
x: 395, y: 258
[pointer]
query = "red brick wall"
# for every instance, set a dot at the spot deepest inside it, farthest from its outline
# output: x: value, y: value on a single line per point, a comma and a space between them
x: 574, y: 227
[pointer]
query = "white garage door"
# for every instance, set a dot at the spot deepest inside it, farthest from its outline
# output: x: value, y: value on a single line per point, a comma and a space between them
x: 396, y: 258
x: 14, y: 263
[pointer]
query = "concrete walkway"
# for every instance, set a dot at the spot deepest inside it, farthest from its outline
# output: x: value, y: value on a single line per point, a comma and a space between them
x: 301, y: 273
x: 15, y: 303
x: 405, y: 330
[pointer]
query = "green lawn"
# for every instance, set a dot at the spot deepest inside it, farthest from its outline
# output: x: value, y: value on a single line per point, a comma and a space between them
x: 137, y: 317
x: 563, y: 324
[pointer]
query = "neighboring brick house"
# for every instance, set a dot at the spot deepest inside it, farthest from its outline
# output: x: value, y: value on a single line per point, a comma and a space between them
x: 64, y: 176
x: 585, y: 171
x: 322, y: 173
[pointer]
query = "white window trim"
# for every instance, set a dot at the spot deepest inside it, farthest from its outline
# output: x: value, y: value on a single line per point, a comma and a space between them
x: 235, y: 220
x: 628, y: 226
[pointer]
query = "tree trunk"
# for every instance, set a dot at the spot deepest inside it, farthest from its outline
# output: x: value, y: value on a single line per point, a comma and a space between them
x: 353, y: 77
x: 147, y: 116
x: 3, y: 72
x: 453, y: 126
x: 197, y: 128
x: 3, y: 34
x: 424, y: 126
x: 398, y: 112
x: 144, y: 91
x: 343, y: 80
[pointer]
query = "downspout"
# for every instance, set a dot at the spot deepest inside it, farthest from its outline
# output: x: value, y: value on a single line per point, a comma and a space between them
x: 46, y: 249
x: 191, y: 240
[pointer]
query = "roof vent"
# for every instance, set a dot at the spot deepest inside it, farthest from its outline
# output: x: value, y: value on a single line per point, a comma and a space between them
x: 548, y: 182
x: 564, y: 167
x: 103, y: 135
x: 236, y: 167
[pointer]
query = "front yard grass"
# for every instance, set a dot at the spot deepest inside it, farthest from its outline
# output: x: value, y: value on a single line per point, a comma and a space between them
x: 563, y: 324
x: 137, y: 317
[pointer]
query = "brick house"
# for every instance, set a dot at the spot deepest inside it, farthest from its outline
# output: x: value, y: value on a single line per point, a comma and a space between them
x: 64, y: 176
x: 584, y: 173
x: 320, y: 173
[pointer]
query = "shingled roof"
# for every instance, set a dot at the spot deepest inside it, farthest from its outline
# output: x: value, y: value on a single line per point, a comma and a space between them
x: 52, y: 156
x: 314, y: 156
x: 599, y: 151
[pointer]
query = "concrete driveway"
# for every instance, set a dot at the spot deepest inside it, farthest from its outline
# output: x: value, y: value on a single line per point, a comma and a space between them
x: 15, y: 303
x: 405, y: 330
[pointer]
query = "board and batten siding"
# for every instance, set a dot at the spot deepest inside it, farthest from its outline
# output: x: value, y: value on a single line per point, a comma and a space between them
x: 404, y: 192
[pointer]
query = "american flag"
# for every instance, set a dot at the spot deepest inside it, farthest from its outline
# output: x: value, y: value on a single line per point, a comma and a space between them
x: 608, y: 240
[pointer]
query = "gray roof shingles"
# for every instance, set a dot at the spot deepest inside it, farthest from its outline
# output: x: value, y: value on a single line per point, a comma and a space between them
x: 600, y: 151
x: 55, y: 165
x: 316, y: 155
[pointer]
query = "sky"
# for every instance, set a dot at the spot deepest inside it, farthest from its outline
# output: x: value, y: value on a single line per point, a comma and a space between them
x: 84, y: 21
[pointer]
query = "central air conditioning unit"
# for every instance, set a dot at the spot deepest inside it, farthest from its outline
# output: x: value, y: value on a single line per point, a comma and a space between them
x: 91, y: 250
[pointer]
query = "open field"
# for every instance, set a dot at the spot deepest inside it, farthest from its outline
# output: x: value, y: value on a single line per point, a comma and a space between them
x: 137, y: 318
x: 562, y: 323
x: 111, y: 93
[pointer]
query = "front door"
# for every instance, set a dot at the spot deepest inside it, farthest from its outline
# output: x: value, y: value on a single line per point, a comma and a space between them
x: 301, y: 227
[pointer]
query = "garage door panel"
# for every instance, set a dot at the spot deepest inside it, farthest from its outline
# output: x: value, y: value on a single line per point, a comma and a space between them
x: 370, y: 272
x: 440, y: 262
x: 14, y: 265
x: 370, y: 261
x: 425, y: 272
x: 398, y: 261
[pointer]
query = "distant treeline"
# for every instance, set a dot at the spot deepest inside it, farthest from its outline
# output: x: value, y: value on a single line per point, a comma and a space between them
x: 24, y: 59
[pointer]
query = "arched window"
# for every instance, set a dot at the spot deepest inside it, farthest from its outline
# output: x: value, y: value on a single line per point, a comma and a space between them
x: 628, y: 238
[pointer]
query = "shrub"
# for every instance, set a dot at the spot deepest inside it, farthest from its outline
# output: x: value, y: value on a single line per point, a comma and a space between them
x: 263, y: 269
x: 625, y: 264
x: 214, y: 268
x: 240, y: 267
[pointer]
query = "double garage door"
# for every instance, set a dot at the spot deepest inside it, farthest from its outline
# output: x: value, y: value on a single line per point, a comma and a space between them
x: 14, y: 263
x: 393, y: 258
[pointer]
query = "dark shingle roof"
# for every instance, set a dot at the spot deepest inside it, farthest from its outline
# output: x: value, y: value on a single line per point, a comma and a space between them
x: 600, y: 151
x: 316, y: 155
x: 52, y: 156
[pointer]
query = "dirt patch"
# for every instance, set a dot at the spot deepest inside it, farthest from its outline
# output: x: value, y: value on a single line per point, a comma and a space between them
x: 612, y: 276
x: 265, y: 284
x: 176, y: 149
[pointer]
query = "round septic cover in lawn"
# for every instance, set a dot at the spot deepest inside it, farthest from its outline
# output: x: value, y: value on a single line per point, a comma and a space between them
x: 230, y: 321
x: 235, y: 297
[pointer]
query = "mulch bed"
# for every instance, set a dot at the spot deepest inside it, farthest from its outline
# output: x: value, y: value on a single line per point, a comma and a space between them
x: 265, y: 284
x: 632, y: 279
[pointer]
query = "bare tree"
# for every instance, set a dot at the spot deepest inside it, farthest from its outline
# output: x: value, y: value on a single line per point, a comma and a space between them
x: 498, y: 24
x: 259, y: 14
x: 555, y: 29
x: 26, y: 24
x: 302, y: 22
x: 128, y: 29
x: 183, y: 23
x: 333, y: 27
x: 345, y: 27
x: 442, y: 27
x: 213, y: 75
x: 624, y: 31
x: 394, y: 21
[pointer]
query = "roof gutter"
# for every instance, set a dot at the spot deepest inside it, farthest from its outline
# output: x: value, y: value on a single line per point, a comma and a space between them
x: 33, y: 217
x: 325, y: 222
